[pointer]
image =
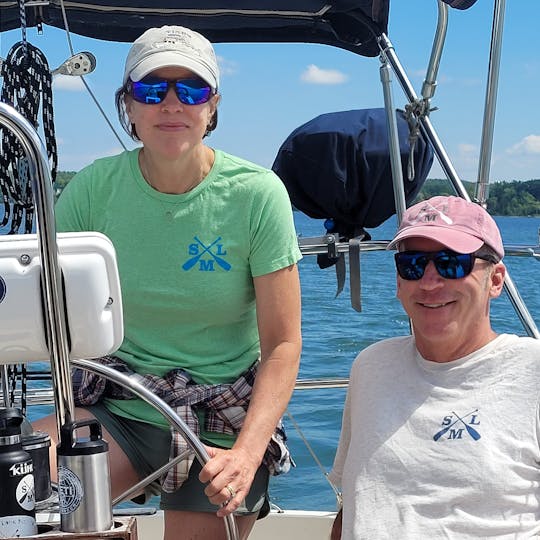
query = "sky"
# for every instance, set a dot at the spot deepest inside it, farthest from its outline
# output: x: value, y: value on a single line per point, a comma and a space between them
x: 268, y: 90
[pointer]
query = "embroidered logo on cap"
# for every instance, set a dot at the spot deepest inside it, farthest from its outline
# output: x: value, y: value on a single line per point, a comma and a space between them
x: 174, y: 37
x: 428, y: 212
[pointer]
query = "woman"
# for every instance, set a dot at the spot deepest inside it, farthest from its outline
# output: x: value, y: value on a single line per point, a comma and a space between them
x: 207, y: 258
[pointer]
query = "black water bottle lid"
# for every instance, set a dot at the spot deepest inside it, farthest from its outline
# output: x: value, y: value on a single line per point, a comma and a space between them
x: 36, y: 439
x: 11, y: 419
x: 71, y: 446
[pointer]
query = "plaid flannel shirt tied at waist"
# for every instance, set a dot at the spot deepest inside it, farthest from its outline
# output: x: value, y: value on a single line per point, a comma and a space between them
x: 225, y: 407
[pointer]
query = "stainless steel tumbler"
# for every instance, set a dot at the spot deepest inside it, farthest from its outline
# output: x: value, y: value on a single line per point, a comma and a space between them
x: 84, y: 485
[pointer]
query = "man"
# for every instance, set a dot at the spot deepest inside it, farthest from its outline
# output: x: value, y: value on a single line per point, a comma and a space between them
x: 440, y: 434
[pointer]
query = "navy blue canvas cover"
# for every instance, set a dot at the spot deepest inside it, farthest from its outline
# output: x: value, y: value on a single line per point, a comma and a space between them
x: 338, y: 166
x: 460, y: 4
x: 349, y: 24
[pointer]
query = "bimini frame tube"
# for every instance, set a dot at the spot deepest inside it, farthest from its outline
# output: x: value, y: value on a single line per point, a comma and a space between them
x: 430, y: 82
x: 54, y: 312
x: 388, y: 49
x: 486, y: 145
x: 393, y: 137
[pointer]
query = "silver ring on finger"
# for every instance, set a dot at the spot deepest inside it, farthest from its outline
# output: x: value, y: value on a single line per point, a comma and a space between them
x: 231, y: 491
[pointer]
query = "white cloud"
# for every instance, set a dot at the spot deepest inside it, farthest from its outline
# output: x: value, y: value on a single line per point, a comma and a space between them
x: 520, y: 162
x: 227, y: 67
x: 316, y: 75
x: 528, y: 145
x: 466, y: 160
x: 467, y: 149
x: 68, y: 82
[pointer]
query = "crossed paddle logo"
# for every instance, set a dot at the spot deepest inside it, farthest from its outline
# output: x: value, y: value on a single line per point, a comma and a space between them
x: 190, y: 263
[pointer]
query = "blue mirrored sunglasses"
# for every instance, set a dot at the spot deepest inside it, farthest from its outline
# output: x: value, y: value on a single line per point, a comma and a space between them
x: 411, y: 265
x: 151, y: 90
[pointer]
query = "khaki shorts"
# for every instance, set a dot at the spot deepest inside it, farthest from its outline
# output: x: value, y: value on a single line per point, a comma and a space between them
x: 148, y: 447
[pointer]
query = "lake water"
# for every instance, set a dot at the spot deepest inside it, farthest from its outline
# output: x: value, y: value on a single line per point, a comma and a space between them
x: 333, y: 333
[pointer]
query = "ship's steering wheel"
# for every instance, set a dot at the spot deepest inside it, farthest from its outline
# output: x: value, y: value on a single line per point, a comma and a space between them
x: 174, y: 420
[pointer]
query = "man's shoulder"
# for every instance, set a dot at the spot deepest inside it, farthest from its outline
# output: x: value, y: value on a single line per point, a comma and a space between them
x: 386, y: 347
x: 395, y: 342
x: 522, y: 343
x: 515, y: 356
x: 530, y: 342
x: 386, y: 356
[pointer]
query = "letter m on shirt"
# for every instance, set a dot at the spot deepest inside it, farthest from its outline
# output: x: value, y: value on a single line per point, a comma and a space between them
x: 206, y: 266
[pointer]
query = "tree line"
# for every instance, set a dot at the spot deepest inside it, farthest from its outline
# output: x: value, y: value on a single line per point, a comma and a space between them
x: 62, y: 178
x: 505, y: 198
x: 515, y: 198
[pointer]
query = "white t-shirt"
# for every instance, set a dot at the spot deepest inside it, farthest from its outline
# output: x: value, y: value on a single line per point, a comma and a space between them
x: 441, y: 450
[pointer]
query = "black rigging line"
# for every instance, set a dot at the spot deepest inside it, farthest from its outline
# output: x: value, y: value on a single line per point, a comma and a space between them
x: 27, y: 82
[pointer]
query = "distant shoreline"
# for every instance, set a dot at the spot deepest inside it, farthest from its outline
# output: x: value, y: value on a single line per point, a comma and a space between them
x: 515, y: 198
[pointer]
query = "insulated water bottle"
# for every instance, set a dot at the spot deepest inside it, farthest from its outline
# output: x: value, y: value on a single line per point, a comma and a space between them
x: 17, y: 500
x: 37, y: 444
x: 84, y: 486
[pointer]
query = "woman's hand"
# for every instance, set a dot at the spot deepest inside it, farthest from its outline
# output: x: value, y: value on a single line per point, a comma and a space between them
x: 278, y: 318
x: 229, y: 474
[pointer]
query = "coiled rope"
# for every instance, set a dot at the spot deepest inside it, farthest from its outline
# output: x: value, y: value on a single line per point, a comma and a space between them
x: 27, y: 84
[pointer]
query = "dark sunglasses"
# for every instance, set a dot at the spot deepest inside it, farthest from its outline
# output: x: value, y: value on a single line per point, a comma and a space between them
x: 152, y: 90
x: 411, y: 265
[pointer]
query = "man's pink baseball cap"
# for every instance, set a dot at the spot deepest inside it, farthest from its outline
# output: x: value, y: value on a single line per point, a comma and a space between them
x: 458, y: 224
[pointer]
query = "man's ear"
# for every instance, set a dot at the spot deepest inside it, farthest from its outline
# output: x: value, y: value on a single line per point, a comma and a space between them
x: 498, y: 274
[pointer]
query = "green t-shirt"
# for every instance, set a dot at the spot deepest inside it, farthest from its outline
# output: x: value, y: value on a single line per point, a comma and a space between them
x: 186, y: 263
